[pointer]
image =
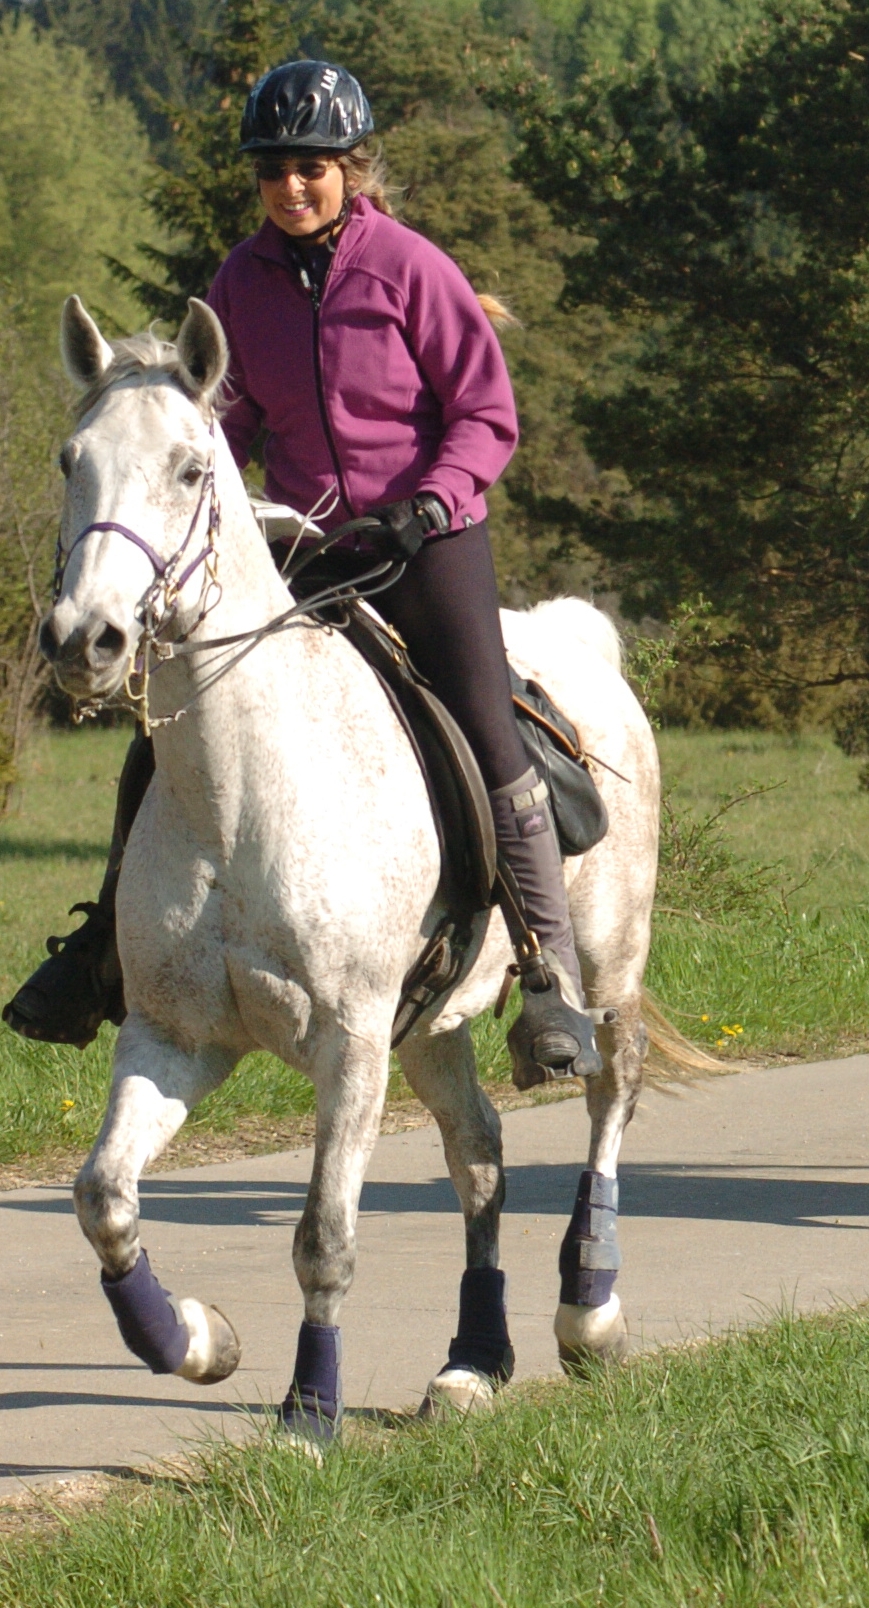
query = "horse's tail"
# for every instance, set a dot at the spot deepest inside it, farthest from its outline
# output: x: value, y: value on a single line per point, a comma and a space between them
x: 672, y: 1057
x: 497, y: 312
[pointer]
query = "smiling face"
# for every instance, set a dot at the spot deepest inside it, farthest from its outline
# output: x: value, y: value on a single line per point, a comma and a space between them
x: 300, y: 194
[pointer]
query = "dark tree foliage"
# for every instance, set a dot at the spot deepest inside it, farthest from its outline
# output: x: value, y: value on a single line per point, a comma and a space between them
x: 727, y: 228
x: 203, y: 194
x: 136, y: 41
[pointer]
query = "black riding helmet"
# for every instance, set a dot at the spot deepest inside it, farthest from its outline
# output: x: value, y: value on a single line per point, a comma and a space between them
x: 305, y: 106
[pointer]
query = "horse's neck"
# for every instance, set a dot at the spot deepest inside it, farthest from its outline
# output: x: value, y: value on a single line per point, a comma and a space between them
x: 211, y: 756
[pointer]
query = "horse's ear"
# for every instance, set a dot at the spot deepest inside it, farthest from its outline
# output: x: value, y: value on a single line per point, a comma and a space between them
x: 202, y: 348
x: 85, y: 354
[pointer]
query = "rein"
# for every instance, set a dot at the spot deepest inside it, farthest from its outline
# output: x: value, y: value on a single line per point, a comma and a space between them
x: 159, y: 602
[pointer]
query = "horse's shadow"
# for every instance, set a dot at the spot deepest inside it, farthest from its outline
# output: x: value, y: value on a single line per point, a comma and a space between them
x: 648, y: 1190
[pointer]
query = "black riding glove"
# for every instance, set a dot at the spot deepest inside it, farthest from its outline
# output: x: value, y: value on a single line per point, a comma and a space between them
x: 404, y: 525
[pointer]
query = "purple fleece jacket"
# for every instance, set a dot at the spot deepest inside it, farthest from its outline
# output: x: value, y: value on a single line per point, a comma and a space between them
x: 398, y: 385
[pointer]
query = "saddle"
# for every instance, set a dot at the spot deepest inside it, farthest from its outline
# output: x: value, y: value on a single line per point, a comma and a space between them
x: 460, y: 805
x: 470, y: 864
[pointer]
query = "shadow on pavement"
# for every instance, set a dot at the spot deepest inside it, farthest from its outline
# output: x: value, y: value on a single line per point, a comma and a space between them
x: 14, y: 1400
x: 744, y: 1195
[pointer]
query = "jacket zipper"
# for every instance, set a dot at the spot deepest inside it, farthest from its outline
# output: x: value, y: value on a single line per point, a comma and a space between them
x: 326, y: 422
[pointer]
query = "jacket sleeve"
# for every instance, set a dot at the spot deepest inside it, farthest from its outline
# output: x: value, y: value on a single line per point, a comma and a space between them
x: 243, y: 419
x: 458, y: 352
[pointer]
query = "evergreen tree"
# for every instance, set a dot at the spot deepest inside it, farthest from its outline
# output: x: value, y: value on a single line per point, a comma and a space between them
x: 204, y: 196
x: 570, y: 38
x: 138, y: 43
x: 73, y: 169
x: 727, y: 228
x: 33, y: 420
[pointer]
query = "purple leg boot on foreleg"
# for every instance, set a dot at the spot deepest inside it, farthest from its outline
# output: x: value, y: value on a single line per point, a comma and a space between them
x: 171, y: 1336
x: 153, y: 1086
x: 313, y: 1406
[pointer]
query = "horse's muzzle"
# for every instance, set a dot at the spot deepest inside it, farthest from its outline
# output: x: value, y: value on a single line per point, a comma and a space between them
x: 90, y: 657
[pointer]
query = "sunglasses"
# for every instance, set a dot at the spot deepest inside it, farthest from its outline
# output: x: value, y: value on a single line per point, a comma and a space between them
x: 273, y: 168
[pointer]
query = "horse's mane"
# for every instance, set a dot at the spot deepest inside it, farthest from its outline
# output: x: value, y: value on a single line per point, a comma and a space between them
x: 145, y: 357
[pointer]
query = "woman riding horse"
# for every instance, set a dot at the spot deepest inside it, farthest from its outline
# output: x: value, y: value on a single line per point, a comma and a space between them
x: 365, y: 356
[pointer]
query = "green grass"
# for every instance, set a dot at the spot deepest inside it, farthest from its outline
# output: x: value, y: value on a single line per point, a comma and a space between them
x: 735, y: 1473
x: 770, y: 958
x: 791, y: 977
x: 816, y: 821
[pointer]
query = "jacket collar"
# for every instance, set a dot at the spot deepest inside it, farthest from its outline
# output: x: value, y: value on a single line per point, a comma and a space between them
x: 270, y: 242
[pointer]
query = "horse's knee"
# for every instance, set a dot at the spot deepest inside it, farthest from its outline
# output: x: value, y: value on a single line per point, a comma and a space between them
x: 109, y: 1217
x: 478, y: 1184
x: 324, y: 1257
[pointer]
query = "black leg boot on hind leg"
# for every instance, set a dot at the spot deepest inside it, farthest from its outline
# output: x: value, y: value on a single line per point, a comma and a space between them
x: 81, y: 985
x: 553, y: 1038
x: 480, y: 1357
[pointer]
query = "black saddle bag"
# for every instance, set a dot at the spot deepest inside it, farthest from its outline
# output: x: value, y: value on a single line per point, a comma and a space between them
x: 554, y: 751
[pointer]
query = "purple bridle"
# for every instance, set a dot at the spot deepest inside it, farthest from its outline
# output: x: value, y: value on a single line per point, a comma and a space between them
x: 163, y: 567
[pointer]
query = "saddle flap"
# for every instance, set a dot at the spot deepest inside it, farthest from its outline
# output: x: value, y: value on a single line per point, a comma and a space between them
x: 460, y: 804
x: 479, y: 825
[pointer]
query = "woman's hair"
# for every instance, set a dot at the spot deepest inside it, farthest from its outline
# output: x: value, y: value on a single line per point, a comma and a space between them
x: 365, y: 174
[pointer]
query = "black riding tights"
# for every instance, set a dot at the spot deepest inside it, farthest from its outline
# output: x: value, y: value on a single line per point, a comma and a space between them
x: 445, y: 606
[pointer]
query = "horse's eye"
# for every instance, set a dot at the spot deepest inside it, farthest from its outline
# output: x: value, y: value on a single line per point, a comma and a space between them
x: 64, y: 463
x: 191, y: 474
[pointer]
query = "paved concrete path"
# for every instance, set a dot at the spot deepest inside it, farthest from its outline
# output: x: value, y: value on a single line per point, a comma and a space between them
x: 736, y: 1194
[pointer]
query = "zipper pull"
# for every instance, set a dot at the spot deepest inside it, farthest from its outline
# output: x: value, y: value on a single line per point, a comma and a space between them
x: 310, y: 287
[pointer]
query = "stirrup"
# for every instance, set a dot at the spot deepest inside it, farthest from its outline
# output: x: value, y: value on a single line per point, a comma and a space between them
x: 68, y: 996
x: 552, y: 1040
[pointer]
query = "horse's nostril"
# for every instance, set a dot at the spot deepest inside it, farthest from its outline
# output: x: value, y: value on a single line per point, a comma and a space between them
x: 110, y: 642
x: 49, y: 646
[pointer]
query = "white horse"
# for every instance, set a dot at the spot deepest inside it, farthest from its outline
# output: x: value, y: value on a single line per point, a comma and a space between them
x: 282, y: 875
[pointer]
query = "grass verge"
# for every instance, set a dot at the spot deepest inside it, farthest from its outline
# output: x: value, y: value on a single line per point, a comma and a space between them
x: 736, y: 1473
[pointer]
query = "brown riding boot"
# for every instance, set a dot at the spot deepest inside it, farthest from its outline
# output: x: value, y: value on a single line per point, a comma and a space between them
x: 81, y: 985
x: 553, y: 1038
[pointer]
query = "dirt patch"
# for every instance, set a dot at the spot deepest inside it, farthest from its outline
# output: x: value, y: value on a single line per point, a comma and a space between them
x: 55, y: 1505
x: 258, y: 1137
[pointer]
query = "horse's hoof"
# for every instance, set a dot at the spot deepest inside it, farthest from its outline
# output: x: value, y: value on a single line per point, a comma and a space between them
x: 214, y: 1349
x: 457, y: 1390
x: 309, y: 1434
x: 588, y: 1334
x: 304, y: 1446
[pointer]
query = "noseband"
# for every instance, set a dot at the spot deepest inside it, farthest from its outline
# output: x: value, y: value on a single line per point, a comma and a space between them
x: 167, y: 580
